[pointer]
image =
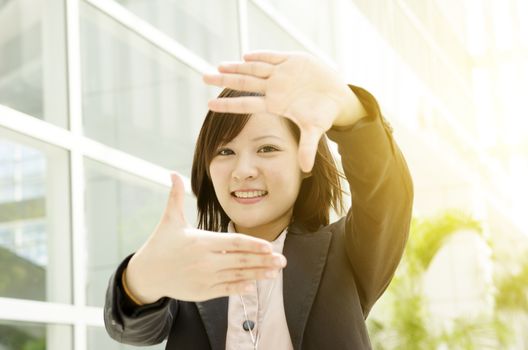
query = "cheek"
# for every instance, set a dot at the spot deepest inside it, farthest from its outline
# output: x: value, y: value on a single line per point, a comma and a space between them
x: 287, y: 179
x: 218, y: 175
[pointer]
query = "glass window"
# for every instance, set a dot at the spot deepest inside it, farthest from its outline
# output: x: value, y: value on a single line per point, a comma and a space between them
x: 121, y: 212
x: 98, y: 339
x: 314, y: 18
x: 211, y: 34
x: 264, y: 33
x: 33, y: 336
x: 32, y: 68
x: 35, y: 259
x: 137, y: 98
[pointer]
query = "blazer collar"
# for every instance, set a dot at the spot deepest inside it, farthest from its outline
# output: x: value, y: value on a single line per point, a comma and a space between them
x: 306, y: 253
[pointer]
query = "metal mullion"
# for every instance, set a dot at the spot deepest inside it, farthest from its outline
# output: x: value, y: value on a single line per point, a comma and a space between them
x: 243, y: 33
x: 285, y: 25
x: 49, y: 312
x: 466, y: 90
x: 57, y: 136
x: 36, y: 128
x: 150, y: 33
x: 130, y: 164
x: 73, y: 59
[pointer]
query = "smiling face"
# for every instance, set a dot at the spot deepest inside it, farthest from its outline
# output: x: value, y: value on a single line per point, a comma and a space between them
x: 256, y: 176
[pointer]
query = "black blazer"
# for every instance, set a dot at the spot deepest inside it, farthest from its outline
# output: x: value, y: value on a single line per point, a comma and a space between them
x: 333, y: 275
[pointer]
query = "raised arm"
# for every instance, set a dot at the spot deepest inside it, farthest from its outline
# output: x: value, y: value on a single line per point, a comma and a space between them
x: 377, y: 223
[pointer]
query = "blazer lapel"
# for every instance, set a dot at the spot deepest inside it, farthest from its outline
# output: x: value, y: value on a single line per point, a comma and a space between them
x: 214, y: 317
x: 306, y: 254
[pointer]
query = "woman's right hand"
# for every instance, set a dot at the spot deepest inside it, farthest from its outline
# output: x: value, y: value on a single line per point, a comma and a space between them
x: 188, y: 264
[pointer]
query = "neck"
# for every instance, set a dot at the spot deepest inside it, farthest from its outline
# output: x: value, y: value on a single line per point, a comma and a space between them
x: 269, y: 231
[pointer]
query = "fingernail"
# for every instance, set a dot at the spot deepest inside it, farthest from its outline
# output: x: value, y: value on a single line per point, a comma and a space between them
x: 249, y: 288
x: 279, y: 260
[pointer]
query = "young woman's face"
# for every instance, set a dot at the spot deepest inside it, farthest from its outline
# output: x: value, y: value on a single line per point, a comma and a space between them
x: 256, y: 176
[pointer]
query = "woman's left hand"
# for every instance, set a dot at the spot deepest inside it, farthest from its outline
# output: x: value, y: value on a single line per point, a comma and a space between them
x: 294, y: 85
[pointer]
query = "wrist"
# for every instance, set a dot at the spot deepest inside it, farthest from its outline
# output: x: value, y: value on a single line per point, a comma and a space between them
x: 351, y: 111
x: 136, y: 290
x: 127, y: 291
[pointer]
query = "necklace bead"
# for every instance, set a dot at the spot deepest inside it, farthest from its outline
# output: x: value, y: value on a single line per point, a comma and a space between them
x: 248, y: 325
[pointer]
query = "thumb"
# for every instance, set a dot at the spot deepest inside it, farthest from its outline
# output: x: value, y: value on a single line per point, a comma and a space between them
x: 174, y: 209
x: 308, y: 148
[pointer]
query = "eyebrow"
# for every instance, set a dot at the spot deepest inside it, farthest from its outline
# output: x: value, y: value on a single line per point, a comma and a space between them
x: 267, y: 136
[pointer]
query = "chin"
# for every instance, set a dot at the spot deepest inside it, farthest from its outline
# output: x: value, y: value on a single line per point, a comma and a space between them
x: 249, y: 219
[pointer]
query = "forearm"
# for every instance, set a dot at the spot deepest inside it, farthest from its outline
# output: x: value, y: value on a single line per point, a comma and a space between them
x: 382, y: 195
x: 129, y: 323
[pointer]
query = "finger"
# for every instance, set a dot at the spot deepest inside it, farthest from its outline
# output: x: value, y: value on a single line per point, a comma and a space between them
x: 225, y: 289
x: 248, y: 261
x: 244, y: 105
x: 258, y: 69
x: 237, y: 82
x: 308, y: 148
x: 175, y: 202
x: 272, y: 57
x: 235, y: 275
x: 234, y: 242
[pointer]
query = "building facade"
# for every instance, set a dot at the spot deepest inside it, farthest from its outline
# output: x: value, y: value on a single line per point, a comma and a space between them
x: 99, y: 99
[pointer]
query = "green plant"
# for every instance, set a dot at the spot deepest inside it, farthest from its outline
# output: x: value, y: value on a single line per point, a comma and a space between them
x: 406, y: 321
x: 512, y: 291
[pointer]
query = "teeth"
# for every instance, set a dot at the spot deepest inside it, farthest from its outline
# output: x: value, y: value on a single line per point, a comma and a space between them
x: 250, y: 194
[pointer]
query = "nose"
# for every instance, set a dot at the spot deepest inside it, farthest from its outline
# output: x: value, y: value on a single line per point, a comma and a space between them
x: 245, y: 169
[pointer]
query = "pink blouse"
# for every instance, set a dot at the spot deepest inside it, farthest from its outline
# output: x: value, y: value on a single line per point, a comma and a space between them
x: 273, y: 328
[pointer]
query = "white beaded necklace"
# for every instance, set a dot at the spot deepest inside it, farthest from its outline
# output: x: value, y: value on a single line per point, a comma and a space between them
x: 255, y: 338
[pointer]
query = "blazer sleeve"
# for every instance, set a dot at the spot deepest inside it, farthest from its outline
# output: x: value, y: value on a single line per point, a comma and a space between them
x: 136, y: 325
x: 377, y: 223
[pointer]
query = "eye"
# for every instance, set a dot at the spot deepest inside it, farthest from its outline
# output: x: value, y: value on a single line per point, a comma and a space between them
x: 268, y: 149
x: 224, y: 152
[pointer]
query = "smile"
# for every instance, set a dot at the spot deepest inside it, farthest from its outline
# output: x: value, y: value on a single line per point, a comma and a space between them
x: 249, y: 194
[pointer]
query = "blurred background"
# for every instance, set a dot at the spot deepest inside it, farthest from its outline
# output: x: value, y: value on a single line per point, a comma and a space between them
x: 100, y: 98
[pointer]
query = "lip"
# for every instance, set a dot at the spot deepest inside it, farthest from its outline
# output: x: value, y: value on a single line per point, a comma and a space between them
x: 248, y: 200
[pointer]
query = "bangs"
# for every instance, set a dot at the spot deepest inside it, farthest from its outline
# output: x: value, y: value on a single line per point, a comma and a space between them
x: 223, y: 127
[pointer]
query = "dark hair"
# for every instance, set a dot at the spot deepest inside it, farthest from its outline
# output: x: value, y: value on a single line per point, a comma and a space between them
x: 318, y: 193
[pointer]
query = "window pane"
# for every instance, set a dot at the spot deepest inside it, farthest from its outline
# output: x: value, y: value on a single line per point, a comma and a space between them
x: 137, y: 98
x: 313, y: 18
x: 33, y: 336
x: 266, y: 34
x: 121, y: 211
x: 32, y: 68
x: 98, y: 339
x: 211, y: 34
x: 34, y: 220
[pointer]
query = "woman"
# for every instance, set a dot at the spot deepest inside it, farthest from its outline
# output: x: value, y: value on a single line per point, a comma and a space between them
x: 262, y: 168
